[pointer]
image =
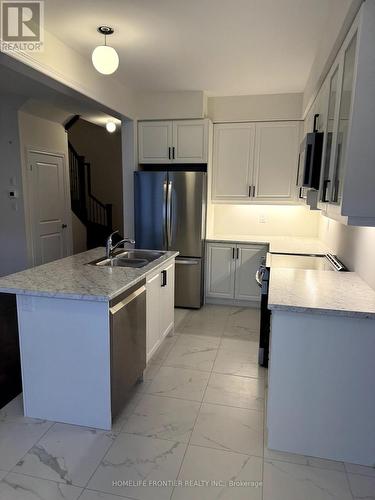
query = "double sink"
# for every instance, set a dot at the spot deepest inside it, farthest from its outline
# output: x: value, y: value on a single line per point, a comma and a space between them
x: 129, y: 258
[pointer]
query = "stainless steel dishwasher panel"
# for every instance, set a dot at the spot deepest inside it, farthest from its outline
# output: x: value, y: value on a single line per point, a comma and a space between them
x: 189, y: 283
x: 128, y: 344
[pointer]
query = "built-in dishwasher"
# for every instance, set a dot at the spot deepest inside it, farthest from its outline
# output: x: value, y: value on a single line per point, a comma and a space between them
x: 128, y: 343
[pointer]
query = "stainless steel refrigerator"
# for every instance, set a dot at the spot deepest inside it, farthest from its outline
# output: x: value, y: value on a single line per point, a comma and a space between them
x: 170, y: 214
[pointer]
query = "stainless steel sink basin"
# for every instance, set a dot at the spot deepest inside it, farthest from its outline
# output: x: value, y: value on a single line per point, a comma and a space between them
x: 129, y: 258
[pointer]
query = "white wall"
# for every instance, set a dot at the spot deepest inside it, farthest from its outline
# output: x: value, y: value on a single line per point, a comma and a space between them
x: 170, y: 105
x: 44, y: 135
x: 280, y: 220
x: 13, y: 244
x: 255, y: 107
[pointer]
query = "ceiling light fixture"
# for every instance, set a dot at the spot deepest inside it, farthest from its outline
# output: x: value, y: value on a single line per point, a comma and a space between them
x: 104, y: 58
x: 111, y: 127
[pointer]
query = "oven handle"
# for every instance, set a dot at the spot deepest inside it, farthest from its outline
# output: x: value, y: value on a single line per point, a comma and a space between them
x: 259, y: 275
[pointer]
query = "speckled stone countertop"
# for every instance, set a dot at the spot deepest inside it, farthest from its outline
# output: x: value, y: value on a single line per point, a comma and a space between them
x: 321, y: 292
x: 72, y: 278
x: 277, y: 244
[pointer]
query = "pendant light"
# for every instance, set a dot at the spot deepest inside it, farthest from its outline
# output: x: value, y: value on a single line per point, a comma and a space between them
x: 104, y: 58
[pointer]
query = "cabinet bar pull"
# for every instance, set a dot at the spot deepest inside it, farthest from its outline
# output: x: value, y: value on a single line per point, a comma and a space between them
x: 233, y: 250
x: 238, y: 253
x: 164, y: 278
x: 169, y: 153
x: 250, y: 187
x: 173, y: 153
x: 254, y: 191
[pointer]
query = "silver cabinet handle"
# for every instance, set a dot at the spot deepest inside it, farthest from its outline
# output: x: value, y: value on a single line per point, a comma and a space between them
x: 169, y: 214
x: 186, y: 262
x: 125, y: 302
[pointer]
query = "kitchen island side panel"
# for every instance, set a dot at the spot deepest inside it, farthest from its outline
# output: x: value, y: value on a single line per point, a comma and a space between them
x: 321, y: 386
x: 65, y: 360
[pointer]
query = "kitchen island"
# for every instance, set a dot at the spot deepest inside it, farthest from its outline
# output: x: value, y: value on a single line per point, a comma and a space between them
x: 321, y: 373
x: 77, y: 356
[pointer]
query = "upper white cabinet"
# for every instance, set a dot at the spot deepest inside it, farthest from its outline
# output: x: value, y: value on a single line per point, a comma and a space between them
x: 348, y: 180
x: 276, y: 160
x: 154, y: 141
x: 233, y: 160
x: 178, y: 141
x: 255, y: 161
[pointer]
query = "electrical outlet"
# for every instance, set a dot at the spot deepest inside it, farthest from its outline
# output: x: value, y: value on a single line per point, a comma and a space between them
x: 262, y: 219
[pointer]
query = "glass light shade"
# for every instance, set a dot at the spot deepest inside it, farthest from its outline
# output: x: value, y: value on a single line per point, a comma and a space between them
x: 105, y: 59
x: 111, y: 127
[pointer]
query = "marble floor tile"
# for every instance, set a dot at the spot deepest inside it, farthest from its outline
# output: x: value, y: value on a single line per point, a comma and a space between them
x: 138, y: 458
x: 243, y: 319
x: 20, y: 487
x: 360, y: 469
x: 67, y: 454
x: 191, y: 356
x: 363, y: 487
x: 17, y: 438
x: 234, y: 345
x: 218, y: 468
x: 237, y: 363
x: 287, y: 481
x: 163, y: 350
x: 13, y: 412
x: 179, y: 383
x: 121, y: 419
x: 97, y: 495
x: 3, y: 473
x: 241, y: 333
x: 198, y: 340
x: 209, y: 320
x: 235, y: 391
x: 179, y: 316
x: 162, y: 417
x: 228, y: 428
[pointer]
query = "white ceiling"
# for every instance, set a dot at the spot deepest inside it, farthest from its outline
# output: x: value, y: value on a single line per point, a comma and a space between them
x: 225, y: 47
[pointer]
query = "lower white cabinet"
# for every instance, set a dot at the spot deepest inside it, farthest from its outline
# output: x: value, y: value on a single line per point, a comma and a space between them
x: 231, y: 269
x: 159, y: 307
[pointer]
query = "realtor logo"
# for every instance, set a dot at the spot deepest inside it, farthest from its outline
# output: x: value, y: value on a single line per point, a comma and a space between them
x: 22, y: 26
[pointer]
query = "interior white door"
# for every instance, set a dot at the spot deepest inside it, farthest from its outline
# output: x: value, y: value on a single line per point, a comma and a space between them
x: 276, y: 160
x: 248, y: 260
x: 49, y: 201
x: 167, y: 300
x: 220, y: 270
x: 190, y: 141
x: 155, y: 142
x: 233, y: 161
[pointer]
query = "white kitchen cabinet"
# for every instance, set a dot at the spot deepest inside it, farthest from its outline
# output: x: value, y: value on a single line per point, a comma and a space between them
x: 173, y: 141
x: 255, y: 162
x: 276, y: 160
x: 248, y: 260
x: 220, y: 270
x: 154, y: 141
x: 231, y: 269
x: 160, y: 307
x: 190, y: 141
x: 233, y: 161
x: 167, y: 300
x: 347, y: 183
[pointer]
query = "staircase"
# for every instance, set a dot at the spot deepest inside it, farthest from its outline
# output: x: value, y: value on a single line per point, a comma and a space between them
x: 95, y: 215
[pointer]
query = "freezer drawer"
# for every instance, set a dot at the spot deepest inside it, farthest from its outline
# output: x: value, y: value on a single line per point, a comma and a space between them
x: 189, y: 283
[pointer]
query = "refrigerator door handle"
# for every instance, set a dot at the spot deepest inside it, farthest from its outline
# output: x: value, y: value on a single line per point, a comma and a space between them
x: 165, y: 236
x: 169, y: 214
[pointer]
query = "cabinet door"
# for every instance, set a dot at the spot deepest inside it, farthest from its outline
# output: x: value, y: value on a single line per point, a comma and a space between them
x: 167, y: 300
x: 276, y: 160
x: 190, y: 141
x: 153, y: 305
x: 248, y: 260
x: 220, y: 270
x: 233, y: 161
x: 155, y: 142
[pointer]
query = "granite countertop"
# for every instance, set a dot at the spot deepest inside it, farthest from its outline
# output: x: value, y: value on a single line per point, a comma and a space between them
x: 321, y: 292
x: 277, y: 244
x: 72, y: 278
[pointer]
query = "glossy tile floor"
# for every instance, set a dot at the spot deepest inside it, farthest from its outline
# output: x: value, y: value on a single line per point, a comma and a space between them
x: 193, y: 430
